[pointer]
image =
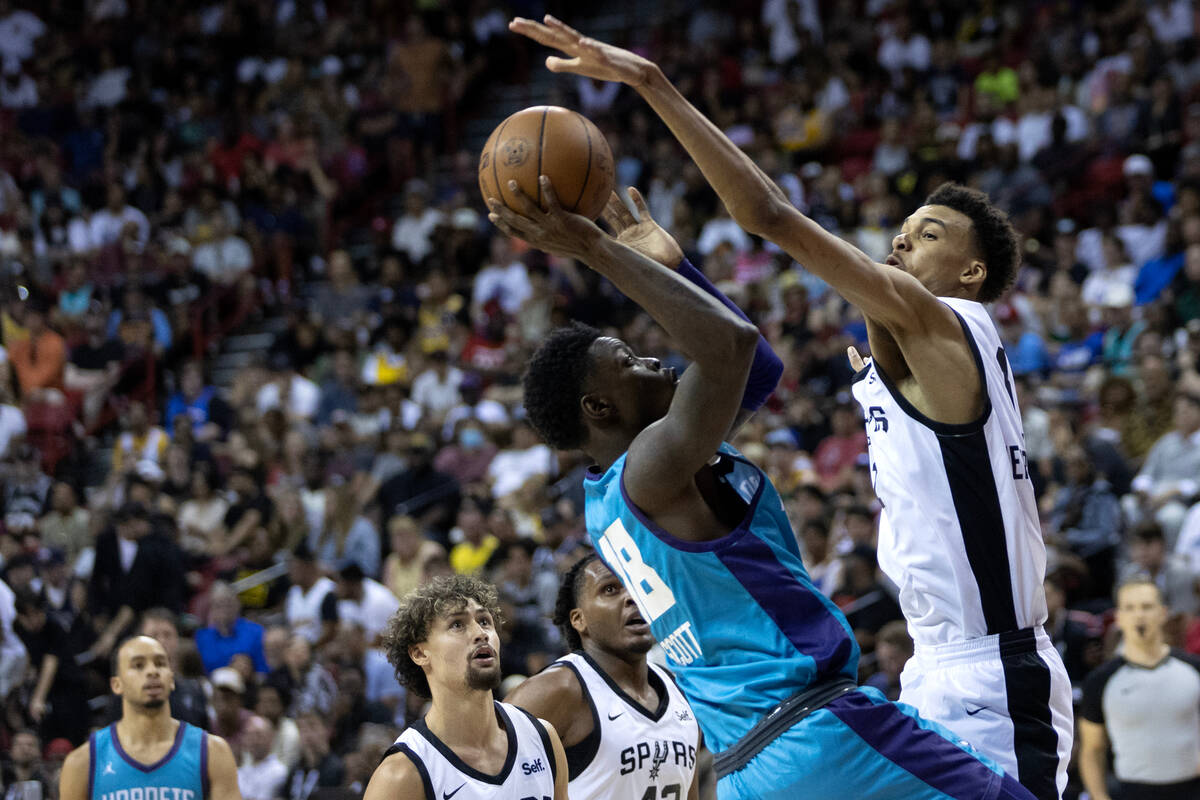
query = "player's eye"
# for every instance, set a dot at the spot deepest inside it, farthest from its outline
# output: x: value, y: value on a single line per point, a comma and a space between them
x: 929, y: 235
x: 456, y: 624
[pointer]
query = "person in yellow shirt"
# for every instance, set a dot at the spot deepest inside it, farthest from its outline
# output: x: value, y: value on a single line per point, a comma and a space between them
x: 472, y: 553
x: 140, y: 441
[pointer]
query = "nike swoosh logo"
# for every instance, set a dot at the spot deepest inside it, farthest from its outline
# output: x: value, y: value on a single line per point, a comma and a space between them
x: 971, y: 713
x: 612, y: 717
x: 448, y: 795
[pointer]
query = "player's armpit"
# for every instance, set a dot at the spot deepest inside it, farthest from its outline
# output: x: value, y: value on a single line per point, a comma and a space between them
x: 73, y: 780
x: 556, y: 696
x: 222, y: 770
x: 396, y: 776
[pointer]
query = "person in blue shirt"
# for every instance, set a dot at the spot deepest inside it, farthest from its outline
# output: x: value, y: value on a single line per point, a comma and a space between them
x: 228, y: 633
x: 699, y: 535
x: 147, y: 753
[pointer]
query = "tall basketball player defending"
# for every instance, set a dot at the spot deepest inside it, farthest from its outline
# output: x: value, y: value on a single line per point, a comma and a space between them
x: 627, y: 730
x: 960, y: 532
x: 146, y: 753
x: 700, y: 539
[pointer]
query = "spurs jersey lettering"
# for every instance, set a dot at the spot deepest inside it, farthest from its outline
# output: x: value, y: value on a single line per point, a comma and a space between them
x: 959, y: 530
x: 631, y: 752
x: 527, y: 774
x: 182, y: 774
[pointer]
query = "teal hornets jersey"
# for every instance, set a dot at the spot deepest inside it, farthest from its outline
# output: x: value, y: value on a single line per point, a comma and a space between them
x: 182, y: 774
x: 740, y: 621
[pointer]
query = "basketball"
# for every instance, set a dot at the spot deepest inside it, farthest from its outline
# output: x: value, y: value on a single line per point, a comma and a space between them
x: 548, y: 140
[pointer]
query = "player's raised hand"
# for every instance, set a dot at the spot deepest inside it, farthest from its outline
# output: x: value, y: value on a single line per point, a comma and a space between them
x: 641, y: 233
x: 857, y: 362
x: 555, y: 230
x: 588, y: 57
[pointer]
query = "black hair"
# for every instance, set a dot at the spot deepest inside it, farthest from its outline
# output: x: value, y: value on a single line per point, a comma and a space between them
x: 1148, y: 531
x: 30, y: 601
x: 568, y: 600
x: 553, y: 385
x: 994, y: 236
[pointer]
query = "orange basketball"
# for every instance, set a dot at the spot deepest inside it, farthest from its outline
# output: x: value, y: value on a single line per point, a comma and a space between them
x: 557, y: 142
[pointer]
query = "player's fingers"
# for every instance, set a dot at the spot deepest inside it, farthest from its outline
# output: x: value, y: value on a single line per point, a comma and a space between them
x: 536, y: 31
x: 506, y: 219
x: 557, y: 24
x: 856, y: 361
x: 610, y: 214
x: 622, y: 211
x: 548, y: 193
x: 523, y: 205
x: 639, y: 203
x: 556, y: 64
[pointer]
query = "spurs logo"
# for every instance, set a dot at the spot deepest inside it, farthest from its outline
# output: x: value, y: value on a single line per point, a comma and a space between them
x: 660, y: 755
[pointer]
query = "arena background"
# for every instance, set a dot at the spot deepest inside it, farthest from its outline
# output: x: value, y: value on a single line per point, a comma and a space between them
x: 253, y: 311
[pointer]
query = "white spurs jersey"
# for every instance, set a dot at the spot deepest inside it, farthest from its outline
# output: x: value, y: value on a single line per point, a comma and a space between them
x: 527, y: 774
x: 630, y: 749
x: 959, y: 531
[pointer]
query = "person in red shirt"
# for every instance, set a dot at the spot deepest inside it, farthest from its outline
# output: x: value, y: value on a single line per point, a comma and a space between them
x: 838, y: 452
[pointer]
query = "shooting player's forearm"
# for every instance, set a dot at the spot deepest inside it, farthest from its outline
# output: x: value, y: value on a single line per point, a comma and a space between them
x: 704, y: 328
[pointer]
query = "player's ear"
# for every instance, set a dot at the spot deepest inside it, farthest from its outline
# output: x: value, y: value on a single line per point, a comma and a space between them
x: 418, y: 654
x: 114, y: 683
x: 596, y: 407
x: 577, y: 621
x: 975, y: 273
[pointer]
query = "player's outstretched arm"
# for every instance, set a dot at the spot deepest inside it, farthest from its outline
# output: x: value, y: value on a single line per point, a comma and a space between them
x: 555, y: 695
x: 222, y: 770
x: 73, y: 779
x: 560, y: 761
x: 396, y: 776
x: 886, y: 295
x: 664, y: 457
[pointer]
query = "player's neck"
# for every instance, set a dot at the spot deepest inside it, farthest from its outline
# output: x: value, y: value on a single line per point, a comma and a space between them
x: 466, y: 719
x: 605, y: 447
x: 632, y: 673
x: 1146, y: 653
x: 139, y: 727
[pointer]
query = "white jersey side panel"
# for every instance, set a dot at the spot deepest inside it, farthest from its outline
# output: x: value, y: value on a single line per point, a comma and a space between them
x: 959, y: 531
x: 631, y: 749
x: 528, y: 771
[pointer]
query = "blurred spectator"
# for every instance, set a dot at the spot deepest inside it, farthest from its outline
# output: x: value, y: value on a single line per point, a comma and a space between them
x: 318, y: 766
x: 39, y: 358
x: 230, y: 720
x: 476, y: 545
x: 142, y: 444
x: 209, y: 413
x: 410, y: 550
x: 1088, y: 515
x: 893, y: 647
x: 837, y: 453
x: 272, y: 706
x: 58, y: 702
x: 1077, y: 635
x: 22, y: 773
x: 261, y: 775
x: 346, y: 535
x: 413, y: 232
x: 1150, y: 559
x: 364, y: 601
x: 421, y: 491
x: 1167, y: 481
x: 525, y: 458
x: 220, y: 254
x: 228, y: 633
x: 311, y: 605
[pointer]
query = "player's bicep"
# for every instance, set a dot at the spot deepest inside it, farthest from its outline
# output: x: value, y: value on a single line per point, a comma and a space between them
x: 666, y: 455
x: 222, y: 770
x: 560, y: 761
x: 73, y: 780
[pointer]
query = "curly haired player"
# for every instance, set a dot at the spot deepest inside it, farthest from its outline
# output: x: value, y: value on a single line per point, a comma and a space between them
x: 443, y: 643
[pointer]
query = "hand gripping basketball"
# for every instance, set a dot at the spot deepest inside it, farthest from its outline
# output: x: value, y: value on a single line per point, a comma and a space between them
x: 555, y: 230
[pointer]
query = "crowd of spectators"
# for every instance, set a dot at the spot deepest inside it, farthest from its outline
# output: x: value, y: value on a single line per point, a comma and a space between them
x: 170, y: 173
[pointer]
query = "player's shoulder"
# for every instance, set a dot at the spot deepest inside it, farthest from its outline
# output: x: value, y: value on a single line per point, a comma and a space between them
x: 1190, y: 659
x: 398, y: 774
x: 80, y: 758
x: 557, y: 687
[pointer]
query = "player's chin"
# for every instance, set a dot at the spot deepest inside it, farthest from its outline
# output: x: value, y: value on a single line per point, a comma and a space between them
x: 638, y: 644
x: 484, y: 677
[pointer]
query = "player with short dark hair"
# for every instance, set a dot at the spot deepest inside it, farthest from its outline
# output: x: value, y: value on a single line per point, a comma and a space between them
x: 627, y: 730
x: 147, y: 750
x: 700, y: 539
x: 444, y: 646
x: 959, y: 531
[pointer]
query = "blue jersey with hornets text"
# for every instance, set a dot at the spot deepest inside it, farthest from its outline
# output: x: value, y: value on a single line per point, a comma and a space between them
x: 182, y: 774
x: 740, y: 621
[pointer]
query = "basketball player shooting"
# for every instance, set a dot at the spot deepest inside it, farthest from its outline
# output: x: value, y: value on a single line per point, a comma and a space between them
x: 959, y: 532
x: 699, y: 538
